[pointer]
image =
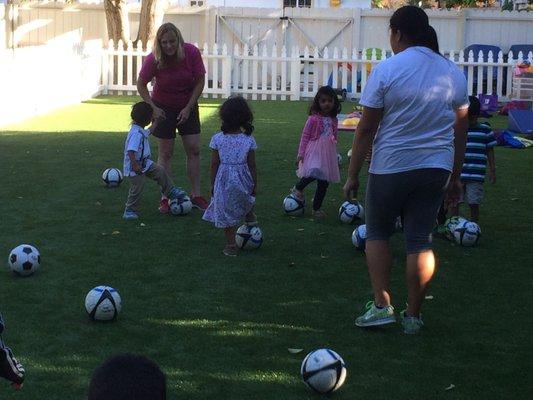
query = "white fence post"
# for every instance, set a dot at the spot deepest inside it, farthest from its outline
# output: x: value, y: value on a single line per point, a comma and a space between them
x: 295, y: 74
x: 226, y: 72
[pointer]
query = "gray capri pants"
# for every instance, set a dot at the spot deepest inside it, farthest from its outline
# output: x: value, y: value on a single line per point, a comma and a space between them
x: 416, y: 195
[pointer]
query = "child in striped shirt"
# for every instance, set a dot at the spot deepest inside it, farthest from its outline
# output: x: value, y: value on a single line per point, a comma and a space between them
x: 479, y: 150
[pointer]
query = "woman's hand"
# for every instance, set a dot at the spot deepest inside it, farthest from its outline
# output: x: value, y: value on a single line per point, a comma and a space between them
x: 453, y: 193
x: 351, y: 187
x: 183, y: 116
x: 158, y: 113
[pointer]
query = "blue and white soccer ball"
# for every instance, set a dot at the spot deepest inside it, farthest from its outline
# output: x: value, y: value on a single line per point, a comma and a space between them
x: 351, y: 212
x: 467, y: 233
x: 293, y: 206
x: 248, y: 237
x: 112, y: 177
x: 24, y: 260
x: 450, y: 224
x: 180, y: 207
x: 359, y: 237
x: 323, y: 371
x: 103, y: 303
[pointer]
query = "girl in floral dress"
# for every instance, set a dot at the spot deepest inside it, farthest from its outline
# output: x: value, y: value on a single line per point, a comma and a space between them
x: 233, y: 171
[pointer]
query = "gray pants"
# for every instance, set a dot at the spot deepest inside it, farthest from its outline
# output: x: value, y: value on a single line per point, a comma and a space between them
x: 416, y: 195
x: 158, y: 174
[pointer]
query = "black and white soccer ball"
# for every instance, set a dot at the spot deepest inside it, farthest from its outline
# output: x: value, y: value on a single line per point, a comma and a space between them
x: 323, y: 371
x: 248, y: 237
x: 112, y: 177
x: 24, y: 260
x: 467, y: 233
x: 180, y: 207
x: 103, y: 303
x: 293, y: 206
x: 351, y: 212
x: 359, y: 237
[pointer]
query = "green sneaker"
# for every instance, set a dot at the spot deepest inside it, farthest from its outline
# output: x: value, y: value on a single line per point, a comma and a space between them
x: 411, y: 325
x: 375, y: 316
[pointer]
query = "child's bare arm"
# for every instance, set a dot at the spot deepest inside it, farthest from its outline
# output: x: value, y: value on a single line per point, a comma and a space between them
x: 134, y: 164
x: 154, y: 124
x: 215, y: 163
x: 492, y: 164
x: 253, y: 170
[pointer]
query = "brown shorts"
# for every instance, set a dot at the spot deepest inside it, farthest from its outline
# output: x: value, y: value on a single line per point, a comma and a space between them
x: 166, y: 128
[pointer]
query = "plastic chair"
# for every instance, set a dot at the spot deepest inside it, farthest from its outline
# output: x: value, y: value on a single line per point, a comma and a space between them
x: 524, y: 48
x: 485, y: 49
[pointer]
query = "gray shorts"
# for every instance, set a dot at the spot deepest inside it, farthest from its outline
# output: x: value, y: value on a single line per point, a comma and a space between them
x: 472, y: 192
x: 416, y: 195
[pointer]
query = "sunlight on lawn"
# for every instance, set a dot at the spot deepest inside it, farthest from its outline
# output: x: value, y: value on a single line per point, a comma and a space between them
x: 91, y: 116
x: 229, y: 328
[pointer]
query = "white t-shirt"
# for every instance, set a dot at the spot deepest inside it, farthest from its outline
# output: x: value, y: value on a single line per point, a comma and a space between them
x: 137, y: 141
x: 419, y: 91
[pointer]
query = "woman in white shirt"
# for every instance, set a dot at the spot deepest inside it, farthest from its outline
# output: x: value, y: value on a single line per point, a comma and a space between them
x: 415, y: 117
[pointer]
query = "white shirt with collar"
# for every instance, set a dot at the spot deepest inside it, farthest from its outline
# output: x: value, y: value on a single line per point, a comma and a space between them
x: 138, y: 142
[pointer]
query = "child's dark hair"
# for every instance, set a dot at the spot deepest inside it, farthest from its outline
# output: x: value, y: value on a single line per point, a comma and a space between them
x: 474, y: 109
x: 128, y: 376
x: 236, y: 114
x: 414, y: 25
x: 141, y: 113
x: 329, y: 92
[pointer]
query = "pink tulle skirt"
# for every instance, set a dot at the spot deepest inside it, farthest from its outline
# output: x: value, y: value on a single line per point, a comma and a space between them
x: 320, y: 161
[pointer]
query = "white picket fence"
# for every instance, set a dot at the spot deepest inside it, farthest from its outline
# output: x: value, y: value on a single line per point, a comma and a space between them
x: 272, y: 73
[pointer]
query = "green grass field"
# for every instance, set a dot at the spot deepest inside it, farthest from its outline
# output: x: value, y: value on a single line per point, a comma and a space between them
x: 220, y: 327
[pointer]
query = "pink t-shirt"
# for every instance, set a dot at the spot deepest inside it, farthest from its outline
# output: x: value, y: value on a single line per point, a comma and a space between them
x: 174, y: 85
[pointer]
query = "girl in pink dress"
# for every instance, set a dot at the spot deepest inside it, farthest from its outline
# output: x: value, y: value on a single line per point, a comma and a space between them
x: 233, y: 171
x: 317, y: 154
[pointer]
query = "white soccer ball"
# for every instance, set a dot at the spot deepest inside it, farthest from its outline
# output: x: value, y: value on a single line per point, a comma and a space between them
x: 103, y: 303
x: 359, y: 237
x: 467, y: 233
x: 248, y: 237
x: 24, y: 260
x: 293, y: 206
x: 323, y: 371
x: 450, y: 224
x: 112, y: 177
x: 351, y: 212
x: 339, y: 158
x: 180, y: 207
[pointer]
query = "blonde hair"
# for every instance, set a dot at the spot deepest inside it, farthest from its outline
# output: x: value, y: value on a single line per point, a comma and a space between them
x: 161, y: 58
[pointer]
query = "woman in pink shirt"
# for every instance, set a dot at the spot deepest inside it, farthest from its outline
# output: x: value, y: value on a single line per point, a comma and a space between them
x: 178, y: 73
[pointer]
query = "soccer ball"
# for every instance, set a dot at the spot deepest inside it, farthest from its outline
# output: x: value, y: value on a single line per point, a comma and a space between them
x: 103, y: 303
x: 450, y: 224
x: 323, y: 371
x: 180, y: 207
x: 359, y: 237
x: 339, y: 158
x: 248, y: 237
x: 112, y: 177
x: 293, y: 206
x: 24, y: 260
x: 467, y: 233
x: 351, y: 212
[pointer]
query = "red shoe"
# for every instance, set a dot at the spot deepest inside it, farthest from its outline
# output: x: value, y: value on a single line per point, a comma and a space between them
x: 200, y: 203
x: 164, y: 208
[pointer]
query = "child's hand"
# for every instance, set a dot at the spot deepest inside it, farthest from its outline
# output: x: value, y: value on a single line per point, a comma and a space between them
x: 298, y: 160
x: 492, y: 176
x: 137, y: 168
